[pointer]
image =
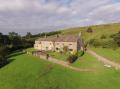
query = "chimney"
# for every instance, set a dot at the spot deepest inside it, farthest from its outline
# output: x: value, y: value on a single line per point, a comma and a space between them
x: 80, y: 34
x: 45, y: 35
x: 57, y: 36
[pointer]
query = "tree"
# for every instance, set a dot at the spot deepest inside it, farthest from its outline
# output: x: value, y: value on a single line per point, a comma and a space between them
x: 72, y: 58
x: 12, y: 35
x: 1, y: 39
x: 117, y: 38
x: 28, y: 35
x: 89, y: 30
x: 3, y: 54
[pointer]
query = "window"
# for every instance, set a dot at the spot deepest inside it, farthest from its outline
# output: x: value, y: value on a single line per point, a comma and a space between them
x: 57, y: 48
x: 46, y: 48
x: 70, y: 49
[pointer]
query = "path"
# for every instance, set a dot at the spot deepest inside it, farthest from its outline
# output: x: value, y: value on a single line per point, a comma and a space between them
x: 63, y: 63
x: 104, y: 60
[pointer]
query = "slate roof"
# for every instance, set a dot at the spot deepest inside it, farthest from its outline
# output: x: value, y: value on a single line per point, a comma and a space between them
x: 69, y: 38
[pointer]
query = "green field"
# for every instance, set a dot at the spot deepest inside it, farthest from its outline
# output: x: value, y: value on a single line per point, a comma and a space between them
x: 58, y: 55
x: 31, y: 49
x: 111, y: 54
x: 29, y: 72
x: 98, y: 30
x: 88, y: 61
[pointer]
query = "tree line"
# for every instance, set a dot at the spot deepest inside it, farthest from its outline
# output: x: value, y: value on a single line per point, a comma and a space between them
x: 13, y: 41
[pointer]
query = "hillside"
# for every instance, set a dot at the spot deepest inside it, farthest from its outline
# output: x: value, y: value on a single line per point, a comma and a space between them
x: 98, y: 30
x: 29, y: 72
x: 26, y: 71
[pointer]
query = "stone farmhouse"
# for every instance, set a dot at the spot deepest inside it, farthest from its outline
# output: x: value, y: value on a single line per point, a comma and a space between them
x: 73, y: 43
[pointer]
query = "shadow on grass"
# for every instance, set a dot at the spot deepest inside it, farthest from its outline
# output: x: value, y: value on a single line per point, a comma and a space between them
x: 9, y: 59
x: 8, y: 62
x: 15, y: 54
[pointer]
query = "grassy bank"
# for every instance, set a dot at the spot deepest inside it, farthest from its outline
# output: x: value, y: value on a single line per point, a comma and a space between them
x: 111, y: 54
x: 29, y: 72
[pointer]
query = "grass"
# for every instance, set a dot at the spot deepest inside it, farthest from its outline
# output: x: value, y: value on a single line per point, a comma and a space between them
x: 111, y: 54
x: 58, y: 55
x: 87, y: 61
x: 31, y: 49
x: 29, y: 72
x: 98, y: 30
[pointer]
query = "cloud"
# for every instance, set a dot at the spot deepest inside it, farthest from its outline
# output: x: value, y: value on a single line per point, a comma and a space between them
x: 108, y: 13
x: 56, y: 14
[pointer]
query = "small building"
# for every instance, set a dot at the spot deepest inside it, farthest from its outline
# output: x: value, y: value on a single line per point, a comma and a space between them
x: 72, y: 43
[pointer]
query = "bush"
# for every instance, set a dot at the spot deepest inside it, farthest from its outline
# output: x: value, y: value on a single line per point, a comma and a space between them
x: 117, y: 39
x: 65, y: 49
x: 72, y: 58
x: 94, y: 42
x: 3, y: 56
x: 80, y: 53
x: 108, y: 44
x: 103, y: 37
x: 89, y: 30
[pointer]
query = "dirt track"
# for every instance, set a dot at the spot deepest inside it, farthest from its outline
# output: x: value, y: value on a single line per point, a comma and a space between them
x: 104, y: 60
x: 63, y: 63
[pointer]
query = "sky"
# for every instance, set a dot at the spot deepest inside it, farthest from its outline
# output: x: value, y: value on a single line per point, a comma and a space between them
x: 37, y: 16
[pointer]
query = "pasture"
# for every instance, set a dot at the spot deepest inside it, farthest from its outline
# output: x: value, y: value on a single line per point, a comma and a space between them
x: 29, y: 72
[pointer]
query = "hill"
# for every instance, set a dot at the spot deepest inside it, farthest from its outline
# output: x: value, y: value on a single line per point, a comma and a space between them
x: 98, y: 31
x: 29, y: 72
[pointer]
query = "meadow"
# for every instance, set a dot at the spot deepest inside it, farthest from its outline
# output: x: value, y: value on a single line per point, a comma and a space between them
x: 29, y: 72
x: 98, y: 30
x: 111, y: 54
x: 25, y: 71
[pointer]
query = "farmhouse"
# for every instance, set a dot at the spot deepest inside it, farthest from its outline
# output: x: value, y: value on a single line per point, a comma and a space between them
x: 58, y: 44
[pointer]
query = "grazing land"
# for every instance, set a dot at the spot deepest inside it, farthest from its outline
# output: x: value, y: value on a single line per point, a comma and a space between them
x: 26, y: 71
x: 110, y: 54
x: 29, y: 72
x: 102, y: 34
x: 98, y: 30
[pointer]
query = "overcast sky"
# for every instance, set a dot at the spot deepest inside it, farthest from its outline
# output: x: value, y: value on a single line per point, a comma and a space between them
x: 47, y: 15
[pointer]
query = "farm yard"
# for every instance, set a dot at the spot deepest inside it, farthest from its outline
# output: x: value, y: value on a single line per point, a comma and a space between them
x: 30, y: 72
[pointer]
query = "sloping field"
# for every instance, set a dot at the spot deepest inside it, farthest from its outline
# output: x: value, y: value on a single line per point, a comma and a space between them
x: 98, y: 30
x: 29, y: 72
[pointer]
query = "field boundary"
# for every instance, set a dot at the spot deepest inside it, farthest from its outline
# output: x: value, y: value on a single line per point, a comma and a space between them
x: 62, y: 63
x: 103, y: 59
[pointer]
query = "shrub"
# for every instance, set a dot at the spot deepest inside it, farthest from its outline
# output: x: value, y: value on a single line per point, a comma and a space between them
x: 94, y: 42
x: 80, y: 53
x: 3, y: 56
x: 103, y: 37
x: 65, y: 48
x: 117, y: 39
x: 108, y: 44
x: 89, y: 30
x: 72, y: 58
